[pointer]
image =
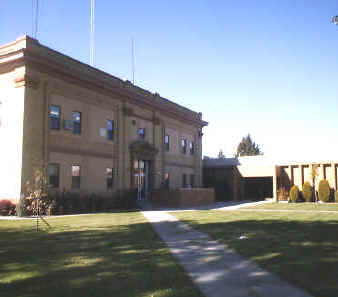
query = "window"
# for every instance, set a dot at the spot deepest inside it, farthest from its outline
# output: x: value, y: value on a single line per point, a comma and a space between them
x: 109, y: 178
x: 141, y: 133
x: 184, y: 180
x: 166, y: 142
x: 192, y: 180
x: 192, y: 147
x: 55, y: 117
x: 76, y: 122
x: 53, y: 173
x: 76, y: 176
x: 166, y: 180
x: 184, y: 145
x: 110, y: 130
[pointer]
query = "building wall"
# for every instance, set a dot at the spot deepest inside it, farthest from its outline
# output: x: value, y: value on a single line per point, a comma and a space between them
x: 298, y: 174
x: 12, y: 107
x: 27, y: 95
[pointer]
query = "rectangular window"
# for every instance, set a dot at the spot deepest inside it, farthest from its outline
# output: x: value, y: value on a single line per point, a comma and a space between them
x: 166, y: 142
x: 166, y: 180
x: 184, y: 180
x: 53, y: 173
x: 76, y: 176
x: 192, y: 180
x: 109, y: 178
x: 192, y: 147
x: 55, y: 117
x: 110, y: 130
x: 76, y: 122
x: 142, y: 133
x: 184, y: 145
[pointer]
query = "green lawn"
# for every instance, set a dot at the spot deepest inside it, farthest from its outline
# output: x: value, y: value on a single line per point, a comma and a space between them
x: 300, y: 247
x: 297, y: 206
x: 91, y: 255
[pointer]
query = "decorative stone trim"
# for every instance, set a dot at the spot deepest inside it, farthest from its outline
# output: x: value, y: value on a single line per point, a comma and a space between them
x: 26, y: 81
x: 127, y: 111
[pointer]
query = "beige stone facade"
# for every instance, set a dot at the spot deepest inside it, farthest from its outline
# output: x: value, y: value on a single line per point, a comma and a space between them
x: 55, y: 111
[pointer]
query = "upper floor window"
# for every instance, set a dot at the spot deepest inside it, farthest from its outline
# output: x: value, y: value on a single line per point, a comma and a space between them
x: 142, y: 133
x: 55, y: 117
x: 109, y: 178
x: 53, y: 173
x: 76, y: 176
x: 76, y: 122
x: 110, y: 129
x: 184, y: 145
x: 192, y: 147
x: 166, y: 142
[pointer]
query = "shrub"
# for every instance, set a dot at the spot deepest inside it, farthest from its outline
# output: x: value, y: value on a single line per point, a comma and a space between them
x: 324, y: 191
x: 336, y: 196
x: 282, y: 194
x: 294, y: 193
x: 125, y: 199
x: 307, y: 192
x: 7, y: 208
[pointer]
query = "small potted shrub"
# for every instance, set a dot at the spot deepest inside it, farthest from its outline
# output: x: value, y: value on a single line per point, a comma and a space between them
x: 294, y: 193
x: 324, y: 191
x: 307, y: 192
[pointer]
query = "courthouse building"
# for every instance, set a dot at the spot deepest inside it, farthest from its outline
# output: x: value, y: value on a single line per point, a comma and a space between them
x: 95, y: 133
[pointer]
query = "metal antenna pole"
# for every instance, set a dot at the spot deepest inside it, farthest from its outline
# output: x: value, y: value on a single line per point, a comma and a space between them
x: 92, y: 27
x: 36, y: 19
x: 133, y: 60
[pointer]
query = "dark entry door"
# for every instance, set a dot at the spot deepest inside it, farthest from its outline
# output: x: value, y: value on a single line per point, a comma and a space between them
x: 141, y: 178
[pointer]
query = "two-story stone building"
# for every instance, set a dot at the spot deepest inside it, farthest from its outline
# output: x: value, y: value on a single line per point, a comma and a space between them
x: 95, y: 133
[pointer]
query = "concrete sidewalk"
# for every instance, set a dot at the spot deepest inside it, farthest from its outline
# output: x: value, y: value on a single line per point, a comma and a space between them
x: 215, y: 269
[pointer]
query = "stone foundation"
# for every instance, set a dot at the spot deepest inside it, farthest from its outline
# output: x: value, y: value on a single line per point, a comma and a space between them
x: 183, y: 197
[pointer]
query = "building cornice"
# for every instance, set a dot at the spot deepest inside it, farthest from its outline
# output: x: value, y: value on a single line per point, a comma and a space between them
x: 56, y: 64
x: 99, y: 80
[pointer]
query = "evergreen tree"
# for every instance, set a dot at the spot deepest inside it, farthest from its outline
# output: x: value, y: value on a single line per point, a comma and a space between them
x: 247, y: 147
x: 221, y: 154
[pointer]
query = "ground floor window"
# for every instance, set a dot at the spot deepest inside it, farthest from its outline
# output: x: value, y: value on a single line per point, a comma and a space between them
x: 166, y: 180
x: 76, y: 176
x: 53, y: 172
x: 109, y: 178
x: 192, y: 180
x: 184, y: 180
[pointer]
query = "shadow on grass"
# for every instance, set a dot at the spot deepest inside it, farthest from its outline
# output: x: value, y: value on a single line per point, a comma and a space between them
x: 303, y: 253
x: 124, y: 260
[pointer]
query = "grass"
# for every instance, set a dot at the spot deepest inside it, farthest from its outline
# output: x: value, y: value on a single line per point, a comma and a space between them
x: 297, y: 206
x: 90, y: 255
x: 300, y: 247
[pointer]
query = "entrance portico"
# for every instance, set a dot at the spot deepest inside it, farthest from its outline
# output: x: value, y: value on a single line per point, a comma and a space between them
x: 142, y: 157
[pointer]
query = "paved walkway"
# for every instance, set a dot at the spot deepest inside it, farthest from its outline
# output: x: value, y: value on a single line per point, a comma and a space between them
x: 215, y: 269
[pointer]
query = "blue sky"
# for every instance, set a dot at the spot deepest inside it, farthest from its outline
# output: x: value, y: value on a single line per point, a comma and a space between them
x: 264, y: 67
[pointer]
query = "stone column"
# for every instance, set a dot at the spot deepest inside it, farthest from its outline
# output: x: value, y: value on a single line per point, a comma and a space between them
x: 120, y: 136
x: 274, y: 183
x: 291, y: 175
x: 333, y: 176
